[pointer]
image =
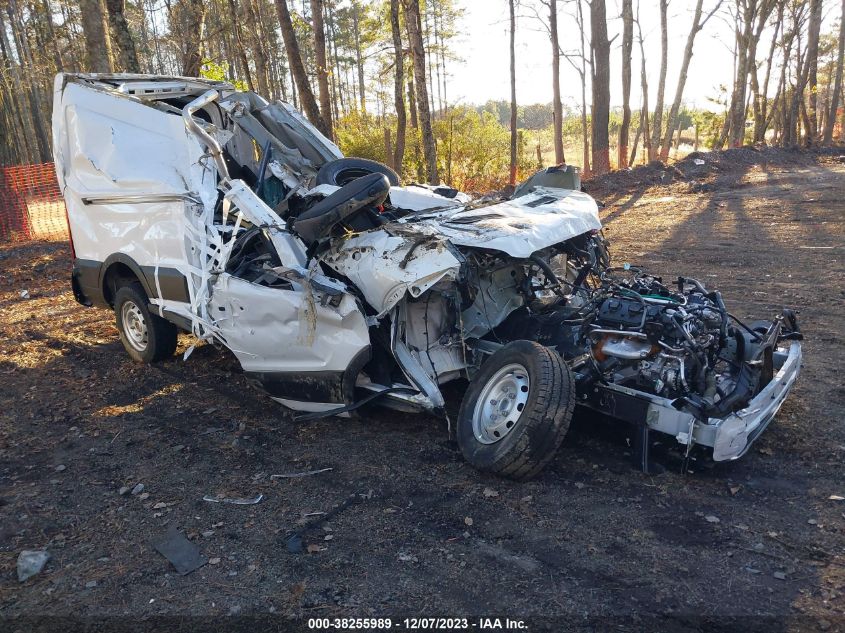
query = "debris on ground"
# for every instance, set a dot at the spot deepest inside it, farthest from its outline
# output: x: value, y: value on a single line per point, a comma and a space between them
x: 31, y: 562
x: 182, y: 554
x: 306, y: 473
x: 237, y: 501
x: 294, y: 544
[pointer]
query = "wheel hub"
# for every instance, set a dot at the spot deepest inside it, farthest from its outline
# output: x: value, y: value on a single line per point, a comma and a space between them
x: 134, y: 326
x: 501, y: 403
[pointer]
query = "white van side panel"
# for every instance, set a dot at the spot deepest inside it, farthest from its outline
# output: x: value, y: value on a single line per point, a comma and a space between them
x: 106, y: 145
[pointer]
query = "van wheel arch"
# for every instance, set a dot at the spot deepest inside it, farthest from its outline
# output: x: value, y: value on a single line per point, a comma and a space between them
x: 120, y: 270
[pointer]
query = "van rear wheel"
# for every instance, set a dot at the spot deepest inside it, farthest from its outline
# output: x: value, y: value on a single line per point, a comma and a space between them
x: 146, y: 337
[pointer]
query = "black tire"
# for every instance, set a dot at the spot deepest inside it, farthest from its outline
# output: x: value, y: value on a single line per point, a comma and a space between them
x: 344, y: 170
x: 533, y: 439
x: 160, y: 334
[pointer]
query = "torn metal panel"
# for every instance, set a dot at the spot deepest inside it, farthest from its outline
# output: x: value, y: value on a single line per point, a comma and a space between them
x: 518, y: 227
x: 385, y: 267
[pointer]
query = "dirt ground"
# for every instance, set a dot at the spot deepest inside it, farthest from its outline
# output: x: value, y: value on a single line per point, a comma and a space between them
x: 411, y: 529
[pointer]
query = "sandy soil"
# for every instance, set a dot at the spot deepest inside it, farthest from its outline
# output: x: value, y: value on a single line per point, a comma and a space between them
x: 412, y: 529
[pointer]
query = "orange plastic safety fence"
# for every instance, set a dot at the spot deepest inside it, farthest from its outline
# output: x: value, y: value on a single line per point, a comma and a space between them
x: 31, y: 205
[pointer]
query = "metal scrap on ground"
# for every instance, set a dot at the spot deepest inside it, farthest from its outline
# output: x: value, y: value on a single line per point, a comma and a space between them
x: 234, y: 501
x: 302, y: 474
x: 183, y: 555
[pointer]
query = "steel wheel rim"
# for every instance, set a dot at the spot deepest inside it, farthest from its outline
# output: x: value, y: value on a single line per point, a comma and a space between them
x: 134, y: 326
x: 501, y: 403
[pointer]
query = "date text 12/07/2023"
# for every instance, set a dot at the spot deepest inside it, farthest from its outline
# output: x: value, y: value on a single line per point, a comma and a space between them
x: 417, y: 624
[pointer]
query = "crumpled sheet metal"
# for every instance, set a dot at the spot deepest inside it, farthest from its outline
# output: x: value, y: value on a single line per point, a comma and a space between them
x: 517, y: 227
x: 385, y: 267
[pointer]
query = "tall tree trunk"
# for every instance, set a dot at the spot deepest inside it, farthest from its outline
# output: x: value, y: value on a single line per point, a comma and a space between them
x: 275, y: 69
x: 36, y: 109
x: 837, y: 82
x: 127, y: 57
x: 636, y: 142
x: 750, y: 12
x: 761, y: 99
x: 51, y: 32
x: 582, y: 72
x: 415, y: 125
x: 671, y: 121
x: 427, y: 40
x: 356, y: 28
x: 657, y: 121
x: 239, y: 42
x: 644, y: 123
x: 398, y: 87
x: 98, y: 54
x: 627, y: 48
x: 442, y: 51
x: 601, y: 87
x: 322, y: 66
x: 259, y: 54
x: 195, y: 34
x: 556, y: 104
x: 513, y: 165
x: 792, y: 113
x: 412, y: 103
x: 337, y: 76
x: 413, y: 20
x: 24, y: 152
x: 436, y: 35
x: 297, y: 68
x: 814, y: 29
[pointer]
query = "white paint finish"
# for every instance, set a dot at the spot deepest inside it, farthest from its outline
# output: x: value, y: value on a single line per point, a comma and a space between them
x: 107, y: 144
x: 372, y: 261
x: 270, y: 329
x: 420, y: 199
x: 513, y: 226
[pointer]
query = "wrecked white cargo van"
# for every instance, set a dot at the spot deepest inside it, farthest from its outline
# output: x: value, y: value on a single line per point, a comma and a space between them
x: 193, y: 206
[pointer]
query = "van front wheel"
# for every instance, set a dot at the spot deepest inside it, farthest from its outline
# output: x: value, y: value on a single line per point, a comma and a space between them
x: 516, y: 410
x: 146, y: 337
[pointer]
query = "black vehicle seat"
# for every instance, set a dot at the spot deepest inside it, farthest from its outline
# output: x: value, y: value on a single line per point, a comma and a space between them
x: 318, y: 221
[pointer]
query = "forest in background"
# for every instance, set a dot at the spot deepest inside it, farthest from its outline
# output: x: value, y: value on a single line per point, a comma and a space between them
x: 373, y: 76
